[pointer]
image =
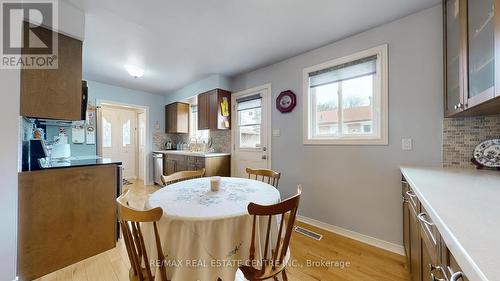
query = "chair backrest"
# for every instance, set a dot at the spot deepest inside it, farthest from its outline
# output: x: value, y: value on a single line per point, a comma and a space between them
x: 268, y: 176
x: 182, y: 176
x: 130, y: 219
x: 273, y: 261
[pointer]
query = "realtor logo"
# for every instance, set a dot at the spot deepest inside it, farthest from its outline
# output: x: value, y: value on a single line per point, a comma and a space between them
x: 26, y: 39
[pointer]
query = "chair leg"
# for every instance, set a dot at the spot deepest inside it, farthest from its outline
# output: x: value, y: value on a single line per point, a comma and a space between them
x: 285, y: 278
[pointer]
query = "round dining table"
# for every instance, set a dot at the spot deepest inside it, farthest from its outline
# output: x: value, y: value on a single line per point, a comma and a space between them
x: 206, y: 235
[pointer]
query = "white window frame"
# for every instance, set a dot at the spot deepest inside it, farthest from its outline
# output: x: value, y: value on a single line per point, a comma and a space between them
x: 380, y: 101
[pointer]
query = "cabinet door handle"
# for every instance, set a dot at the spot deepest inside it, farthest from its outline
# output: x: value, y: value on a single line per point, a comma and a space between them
x: 427, y: 224
x: 409, y: 193
x: 422, y: 216
x: 456, y: 276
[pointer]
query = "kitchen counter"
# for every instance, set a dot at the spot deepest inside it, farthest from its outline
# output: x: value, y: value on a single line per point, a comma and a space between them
x: 192, y: 153
x: 464, y: 204
x: 76, y: 162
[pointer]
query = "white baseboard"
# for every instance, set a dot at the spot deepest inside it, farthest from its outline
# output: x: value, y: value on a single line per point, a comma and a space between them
x: 391, y: 247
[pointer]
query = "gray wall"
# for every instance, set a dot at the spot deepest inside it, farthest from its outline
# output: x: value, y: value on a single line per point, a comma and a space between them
x: 358, y: 187
x: 198, y: 87
x: 99, y: 91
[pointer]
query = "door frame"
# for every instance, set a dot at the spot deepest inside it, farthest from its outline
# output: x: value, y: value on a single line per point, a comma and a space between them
x: 147, y: 165
x: 234, y: 96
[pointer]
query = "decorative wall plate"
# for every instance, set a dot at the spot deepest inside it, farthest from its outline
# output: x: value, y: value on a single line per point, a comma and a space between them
x: 487, y: 153
x: 286, y: 101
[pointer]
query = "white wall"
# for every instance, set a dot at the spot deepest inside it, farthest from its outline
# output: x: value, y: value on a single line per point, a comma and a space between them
x: 358, y: 187
x: 198, y: 87
x: 100, y: 91
x: 71, y: 22
x: 9, y: 144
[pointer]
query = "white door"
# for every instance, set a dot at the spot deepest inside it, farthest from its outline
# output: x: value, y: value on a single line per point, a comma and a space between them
x: 141, y: 145
x: 118, y: 138
x: 251, y: 129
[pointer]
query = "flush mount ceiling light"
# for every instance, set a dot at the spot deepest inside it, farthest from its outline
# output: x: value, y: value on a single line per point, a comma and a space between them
x: 134, y: 71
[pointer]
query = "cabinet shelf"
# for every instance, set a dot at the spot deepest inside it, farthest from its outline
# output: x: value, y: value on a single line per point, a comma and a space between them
x: 485, y: 23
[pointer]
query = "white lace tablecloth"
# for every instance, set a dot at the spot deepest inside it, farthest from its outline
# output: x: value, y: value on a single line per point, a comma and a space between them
x: 205, y: 234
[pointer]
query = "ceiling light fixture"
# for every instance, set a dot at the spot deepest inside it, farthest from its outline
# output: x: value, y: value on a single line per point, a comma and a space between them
x: 134, y: 71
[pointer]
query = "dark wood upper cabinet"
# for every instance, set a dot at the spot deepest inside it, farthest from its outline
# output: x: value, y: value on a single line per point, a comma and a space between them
x: 177, y: 118
x: 210, y: 115
x: 471, y: 57
x: 54, y: 93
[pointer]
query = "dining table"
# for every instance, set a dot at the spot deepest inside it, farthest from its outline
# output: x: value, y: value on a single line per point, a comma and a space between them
x: 205, y: 235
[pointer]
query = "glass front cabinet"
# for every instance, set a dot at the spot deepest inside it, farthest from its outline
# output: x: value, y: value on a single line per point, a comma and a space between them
x: 471, y: 57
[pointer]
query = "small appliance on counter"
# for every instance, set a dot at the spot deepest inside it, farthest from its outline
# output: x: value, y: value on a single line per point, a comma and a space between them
x: 168, y: 145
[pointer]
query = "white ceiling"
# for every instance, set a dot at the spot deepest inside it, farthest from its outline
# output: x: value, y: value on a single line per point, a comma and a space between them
x: 181, y: 41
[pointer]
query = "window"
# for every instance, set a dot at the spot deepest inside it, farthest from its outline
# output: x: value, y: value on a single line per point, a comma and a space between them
x: 249, y: 110
x: 106, y: 136
x: 346, y: 100
x: 200, y: 135
x: 126, y: 133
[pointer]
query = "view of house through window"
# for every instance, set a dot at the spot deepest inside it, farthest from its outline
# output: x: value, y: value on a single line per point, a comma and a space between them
x: 347, y: 99
x: 356, y: 111
x: 249, y: 123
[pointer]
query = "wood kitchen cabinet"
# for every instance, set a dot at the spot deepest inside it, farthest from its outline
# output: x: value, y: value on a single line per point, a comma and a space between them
x: 415, y: 245
x: 54, y: 93
x: 427, y: 254
x: 406, y: 221
x: 210, y: 115
x: 214, y: 165
x: 471, y: 57
x: 65, y: 215
x: 177, y: 118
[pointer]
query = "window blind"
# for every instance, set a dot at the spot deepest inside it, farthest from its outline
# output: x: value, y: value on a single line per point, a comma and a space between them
x: 345, y: 71
x: 249, y: 102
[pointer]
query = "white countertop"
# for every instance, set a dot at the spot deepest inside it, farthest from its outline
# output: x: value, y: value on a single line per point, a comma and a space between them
x: 465, y: 206
x: 191, y: 153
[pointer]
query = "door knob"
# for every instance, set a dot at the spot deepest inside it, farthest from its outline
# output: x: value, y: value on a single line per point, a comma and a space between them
x: 264, y: 157
x: 264, y: 149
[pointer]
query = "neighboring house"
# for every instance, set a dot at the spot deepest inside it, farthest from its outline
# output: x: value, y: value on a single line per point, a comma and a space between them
x: 356, y: 120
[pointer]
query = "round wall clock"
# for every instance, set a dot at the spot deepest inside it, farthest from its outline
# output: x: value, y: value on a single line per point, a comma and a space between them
x: 286, y: 101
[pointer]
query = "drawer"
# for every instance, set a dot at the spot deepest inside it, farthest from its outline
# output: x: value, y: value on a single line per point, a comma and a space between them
x: 175, y: 157
x: 199, y: 161
x: 430, y: 235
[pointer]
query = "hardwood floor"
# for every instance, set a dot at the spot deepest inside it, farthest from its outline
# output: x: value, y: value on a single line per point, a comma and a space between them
x: 349, y: 260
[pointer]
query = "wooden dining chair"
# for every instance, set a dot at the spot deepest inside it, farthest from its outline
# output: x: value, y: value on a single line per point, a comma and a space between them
x: 275, y: 259
x: 268, y: 176
x: 130, y: 220
x: 182, y: 176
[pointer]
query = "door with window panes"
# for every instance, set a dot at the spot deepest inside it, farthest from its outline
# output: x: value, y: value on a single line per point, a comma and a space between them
x: 250, y: 148
x: 118, y: 138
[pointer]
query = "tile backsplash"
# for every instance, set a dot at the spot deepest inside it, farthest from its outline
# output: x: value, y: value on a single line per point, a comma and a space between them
x: 221, y: 140
x: 461, y: 135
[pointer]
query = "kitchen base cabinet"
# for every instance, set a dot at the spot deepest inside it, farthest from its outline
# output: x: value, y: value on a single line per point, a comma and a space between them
x: 60, y: 212
x: 406, y: 222
x: 428, y: 256
x: 214, y: 165
x: 415, y: 246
